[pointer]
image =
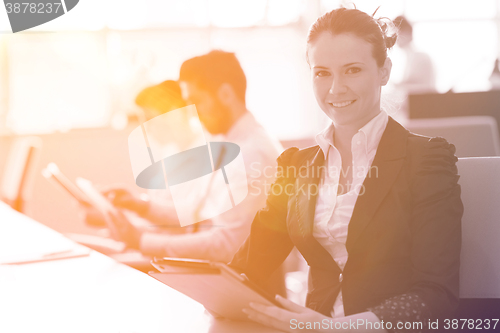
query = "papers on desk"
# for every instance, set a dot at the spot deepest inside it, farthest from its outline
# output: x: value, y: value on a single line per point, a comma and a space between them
x: 34, y: 258
x: 24, y: 241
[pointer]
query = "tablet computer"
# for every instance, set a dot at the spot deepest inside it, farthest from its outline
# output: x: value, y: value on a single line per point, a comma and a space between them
x: 88, y: 195
x: 85, y: 193
x: 52, y: 173
x: 215, y: 285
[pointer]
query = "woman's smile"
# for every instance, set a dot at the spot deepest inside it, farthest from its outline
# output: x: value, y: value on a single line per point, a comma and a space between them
x: 343, y: 104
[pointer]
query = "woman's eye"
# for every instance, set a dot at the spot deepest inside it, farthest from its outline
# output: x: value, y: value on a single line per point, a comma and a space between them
x: 353, y: 70
x: 322, y: 73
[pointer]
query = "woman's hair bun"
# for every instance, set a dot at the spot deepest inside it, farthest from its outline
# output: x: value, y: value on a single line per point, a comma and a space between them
x: 389, y: 31
x: 390, y: 41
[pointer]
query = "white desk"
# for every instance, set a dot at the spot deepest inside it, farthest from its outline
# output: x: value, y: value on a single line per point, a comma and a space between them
x: 91, y: 294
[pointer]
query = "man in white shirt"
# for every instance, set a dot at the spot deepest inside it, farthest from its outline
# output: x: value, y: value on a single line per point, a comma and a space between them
x: 216, y: 84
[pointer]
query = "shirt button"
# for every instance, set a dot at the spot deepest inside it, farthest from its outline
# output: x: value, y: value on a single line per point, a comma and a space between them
x: 341, y: 277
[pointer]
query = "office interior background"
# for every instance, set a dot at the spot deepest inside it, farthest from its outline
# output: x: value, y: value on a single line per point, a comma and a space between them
x: 72, y: 81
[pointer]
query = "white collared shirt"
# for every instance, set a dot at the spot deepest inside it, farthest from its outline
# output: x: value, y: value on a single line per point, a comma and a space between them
x: 333, y: 212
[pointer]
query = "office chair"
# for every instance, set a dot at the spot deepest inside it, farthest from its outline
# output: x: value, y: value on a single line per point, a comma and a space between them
x: 473, y: 136
x: 480, y: 266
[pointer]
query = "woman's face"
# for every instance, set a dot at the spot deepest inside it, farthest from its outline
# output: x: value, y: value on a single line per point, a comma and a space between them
x: 346, y: 78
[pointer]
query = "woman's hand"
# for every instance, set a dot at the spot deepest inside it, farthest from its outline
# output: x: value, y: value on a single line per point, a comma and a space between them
x: 295, y: 318
x: 286, y: 319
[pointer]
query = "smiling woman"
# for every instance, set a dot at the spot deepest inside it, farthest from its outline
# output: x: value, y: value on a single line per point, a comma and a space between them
x: 348, y: 56
x: 346, y: 78
x: 383, y: 248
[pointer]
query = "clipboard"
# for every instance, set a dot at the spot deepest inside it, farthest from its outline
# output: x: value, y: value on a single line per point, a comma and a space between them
x: 215, y: 285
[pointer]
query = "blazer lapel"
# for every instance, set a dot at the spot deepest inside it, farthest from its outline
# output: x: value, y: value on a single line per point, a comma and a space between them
x: 307, y: 185
x: 385, y: 168
x: 306, y: 193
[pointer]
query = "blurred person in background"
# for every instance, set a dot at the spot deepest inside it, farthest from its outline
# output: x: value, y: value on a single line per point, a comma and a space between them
x: 418, y: 75
x: 374, y: 209
x: 414, y: 71
x: 216, y: 84
x: 153, y: 101
x: 160, y: 99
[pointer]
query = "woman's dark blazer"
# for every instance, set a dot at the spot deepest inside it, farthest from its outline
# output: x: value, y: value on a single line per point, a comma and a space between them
x: 404, y: 235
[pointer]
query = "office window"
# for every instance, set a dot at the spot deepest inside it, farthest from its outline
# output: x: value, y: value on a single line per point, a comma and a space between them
x: 463, y: 52
x: 443, y: 10
x: 81, y: 79
x: 57, y: 82
x: 281, y: 12
x: 460, y: 36
x: 154, y: 14
x: 279, y: 84
x: 138, y: 59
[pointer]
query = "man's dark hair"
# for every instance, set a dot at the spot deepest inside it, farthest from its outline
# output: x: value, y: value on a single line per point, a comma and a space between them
x: 211, y: 70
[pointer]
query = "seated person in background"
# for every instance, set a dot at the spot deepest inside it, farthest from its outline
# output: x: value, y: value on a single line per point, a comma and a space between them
x: 157, y: 206
x: 153, y: 101
x: 418, y: 75
x: 216, y: 84
x: 374, y: 209
x: 414, y: 72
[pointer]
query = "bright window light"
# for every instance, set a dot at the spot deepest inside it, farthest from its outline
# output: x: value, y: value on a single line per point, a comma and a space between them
x: 418, y: 10
x: 281, y: 12
x: 463, y: 52
x: 230, y: 13
x: 133, y: 14
x: 88, y: 15
x: 63, y: 87
x: 386, y: 8
x: 64, y: 80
